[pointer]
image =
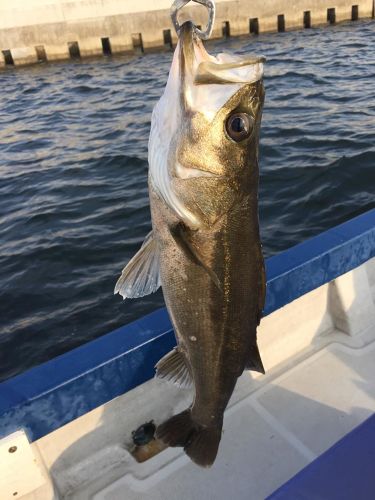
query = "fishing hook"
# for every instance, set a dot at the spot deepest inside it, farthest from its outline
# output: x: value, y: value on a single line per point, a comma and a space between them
x: 210, y: 4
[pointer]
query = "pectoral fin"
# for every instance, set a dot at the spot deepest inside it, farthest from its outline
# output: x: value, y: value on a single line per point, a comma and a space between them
x: 180, y: 234
x: 141, y: 275
x: 174, y: 367
x: 254, y: 361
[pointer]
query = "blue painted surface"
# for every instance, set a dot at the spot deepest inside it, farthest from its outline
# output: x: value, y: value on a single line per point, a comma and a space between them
x: 319, y: 260
x: 344, y: 472
x: 55, y: 393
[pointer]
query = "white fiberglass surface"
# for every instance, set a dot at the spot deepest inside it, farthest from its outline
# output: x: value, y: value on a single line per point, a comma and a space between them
x: 268, y: 436
x: 319, y: 385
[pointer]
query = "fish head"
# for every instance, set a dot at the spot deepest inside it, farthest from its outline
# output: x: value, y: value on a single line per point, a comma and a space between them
x: 208, y: 124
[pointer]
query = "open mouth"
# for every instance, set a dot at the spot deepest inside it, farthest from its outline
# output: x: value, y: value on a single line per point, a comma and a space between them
x: 206, y: 81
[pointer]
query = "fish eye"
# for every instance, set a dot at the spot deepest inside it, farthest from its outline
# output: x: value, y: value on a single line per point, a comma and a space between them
x: 239, y: 126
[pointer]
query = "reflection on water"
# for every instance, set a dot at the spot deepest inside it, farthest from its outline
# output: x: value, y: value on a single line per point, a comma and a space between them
x: 73, y: 174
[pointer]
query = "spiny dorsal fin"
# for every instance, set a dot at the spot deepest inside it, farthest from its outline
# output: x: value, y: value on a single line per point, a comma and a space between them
x: 175, y: 368
x: 141, y: 275
x: 254, y: 361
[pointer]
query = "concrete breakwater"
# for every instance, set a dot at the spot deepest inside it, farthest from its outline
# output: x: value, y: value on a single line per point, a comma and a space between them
x: 40, y: 30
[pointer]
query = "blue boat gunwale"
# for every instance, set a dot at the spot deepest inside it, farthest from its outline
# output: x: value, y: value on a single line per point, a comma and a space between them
x: 53, y: 394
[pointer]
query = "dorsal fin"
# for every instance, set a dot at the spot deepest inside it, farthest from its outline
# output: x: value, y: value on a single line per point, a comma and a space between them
x: 141, y: 275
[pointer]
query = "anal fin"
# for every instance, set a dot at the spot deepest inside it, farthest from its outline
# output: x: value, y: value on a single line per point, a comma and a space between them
x: 174, y: 367
x: 141, y: 275
x: 254, y: 361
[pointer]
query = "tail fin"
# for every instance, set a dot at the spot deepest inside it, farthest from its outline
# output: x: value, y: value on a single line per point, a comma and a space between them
x: 202, y: 449
x: 200, y: 443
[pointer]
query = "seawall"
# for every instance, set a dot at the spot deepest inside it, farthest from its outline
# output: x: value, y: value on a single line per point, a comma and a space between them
x: 39, y: 30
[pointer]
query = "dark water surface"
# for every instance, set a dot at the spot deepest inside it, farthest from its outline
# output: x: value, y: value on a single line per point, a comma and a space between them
x: 73, y: 167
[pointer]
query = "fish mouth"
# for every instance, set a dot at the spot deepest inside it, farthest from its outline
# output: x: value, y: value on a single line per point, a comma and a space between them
x: 192, y: 53
x: 203, y: 68
x: 206, y: 81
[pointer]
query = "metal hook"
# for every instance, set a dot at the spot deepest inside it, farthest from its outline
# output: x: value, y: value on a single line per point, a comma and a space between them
x: 178, y: 4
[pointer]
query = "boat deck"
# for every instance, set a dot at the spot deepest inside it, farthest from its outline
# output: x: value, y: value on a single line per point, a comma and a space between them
x: 344, y: 472
x: 271, y: 431
x: 320, y: 384
x: 317, y: 342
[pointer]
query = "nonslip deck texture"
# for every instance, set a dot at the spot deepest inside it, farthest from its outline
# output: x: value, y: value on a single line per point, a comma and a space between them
x: 270, y: 434
x: 344, y: 472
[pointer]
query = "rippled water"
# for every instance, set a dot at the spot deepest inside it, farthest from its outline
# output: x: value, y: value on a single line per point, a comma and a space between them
x: 73, y: 191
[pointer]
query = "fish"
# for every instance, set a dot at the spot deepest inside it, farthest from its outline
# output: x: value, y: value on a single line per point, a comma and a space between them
x: 204, y: 249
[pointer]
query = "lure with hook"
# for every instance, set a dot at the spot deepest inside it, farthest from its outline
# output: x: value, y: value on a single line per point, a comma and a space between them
x: 204, y: 248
